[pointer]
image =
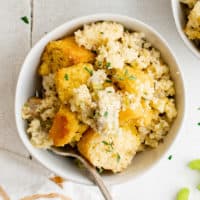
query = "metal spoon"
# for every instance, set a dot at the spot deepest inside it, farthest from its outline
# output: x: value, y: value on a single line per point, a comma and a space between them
x: 96, y: 178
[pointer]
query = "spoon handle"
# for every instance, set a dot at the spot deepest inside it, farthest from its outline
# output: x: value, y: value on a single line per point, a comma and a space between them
x: 91, y: 170
x: 99, y: 182
x: 97, y: 179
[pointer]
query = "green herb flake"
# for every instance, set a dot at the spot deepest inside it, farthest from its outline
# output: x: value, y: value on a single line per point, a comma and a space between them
x: 198, y: 123
x: 26, y: 105
x: 126, y: 72
x: 108, y: 65
x: 101, y: 32
x: 108, y: 144
x: 25, y: 19
x: 169, y: 157
x: 108, y: 80
x: 120, y: 78
x: 109, y: 92
x: 105, y: 114
x: 89, y: 71
x: 96, y: 114
x: 100, y: 170
x: 194, y: 164
x: 198, y: 187
x: 79, y: 164
x: 99, y: 63
x: 118, y: 157
x: 132, y: 78
x: 66, y: 77
x: 183, y: 194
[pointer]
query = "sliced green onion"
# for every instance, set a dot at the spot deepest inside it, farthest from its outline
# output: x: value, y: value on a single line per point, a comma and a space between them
x: 132, y: 78
x: 118, y: 157
x: 194, y: 164
x: 89, y: 71
x: 183, y: 194
x: 66, y: 77
x: 105, y: 114
x: 108, y: 64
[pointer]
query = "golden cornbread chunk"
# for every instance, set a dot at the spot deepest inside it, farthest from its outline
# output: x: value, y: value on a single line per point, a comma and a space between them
x: 63, y: 53
x: 133, y: 80
x: 190, y: 3
x: 111, y: 152
x: 66, y: 127
x: 192, y: 29
x: 141, y: 115
x: 67, y: 79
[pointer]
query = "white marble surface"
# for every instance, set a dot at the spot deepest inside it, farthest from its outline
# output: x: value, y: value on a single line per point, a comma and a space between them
x: 163, y: 181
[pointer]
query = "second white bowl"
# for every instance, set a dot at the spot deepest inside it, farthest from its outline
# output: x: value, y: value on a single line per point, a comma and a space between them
x: 180, y: 21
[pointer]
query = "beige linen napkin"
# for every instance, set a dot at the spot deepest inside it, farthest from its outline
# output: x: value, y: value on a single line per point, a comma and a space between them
x: 23, y: 179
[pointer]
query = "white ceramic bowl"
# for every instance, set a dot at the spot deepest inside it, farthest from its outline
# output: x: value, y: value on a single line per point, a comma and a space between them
x: 180, y: 21
x: 28, y: 78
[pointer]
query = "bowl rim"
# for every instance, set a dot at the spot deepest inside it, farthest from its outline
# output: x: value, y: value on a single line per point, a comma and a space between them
x: 98, y: 17
x: 187, y: 42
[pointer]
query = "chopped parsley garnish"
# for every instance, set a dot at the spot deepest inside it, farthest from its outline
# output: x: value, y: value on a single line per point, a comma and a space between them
x: 79, y: 164
x: 66, y: 77
x: 108, y: 65
x: 25, y: 19
x: 102, y: 32
x: 126, y: 72
x: 109, y: 146
x: 105, y: 114
x: 132, y: 78
x: 198, y: 123
x: 96, y: 114
x: 108, y: 150
x: 118, y: 157
x: 109, y: 92
x: 89, y: 71
x: 99, y: 63
x: 120, y: 78
x: 108, y: 143
x: 108, y: 80
x: 170, y: 157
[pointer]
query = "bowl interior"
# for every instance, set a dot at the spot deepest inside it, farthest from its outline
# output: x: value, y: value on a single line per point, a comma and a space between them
x: 26, y: 87
x: 180, y: 21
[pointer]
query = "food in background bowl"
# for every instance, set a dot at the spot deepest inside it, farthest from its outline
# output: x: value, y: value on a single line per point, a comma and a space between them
x: 106, y: 91
x: 192, y: 12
